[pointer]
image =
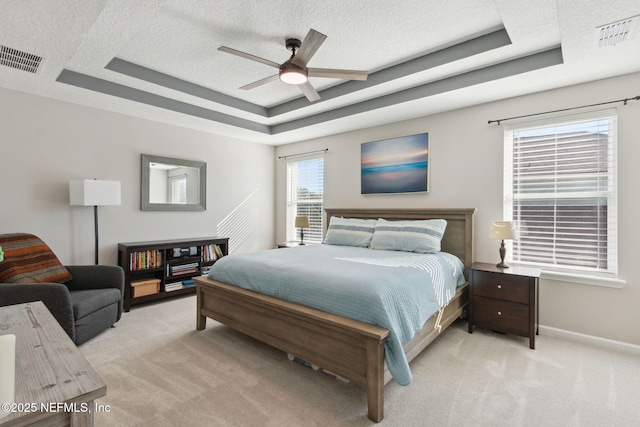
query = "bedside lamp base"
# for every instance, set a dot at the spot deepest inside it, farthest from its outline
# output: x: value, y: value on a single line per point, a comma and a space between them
x: 503, y: 252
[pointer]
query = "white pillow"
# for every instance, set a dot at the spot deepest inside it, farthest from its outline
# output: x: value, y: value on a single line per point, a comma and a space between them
x: 422, y: 236
x: 350, y: 232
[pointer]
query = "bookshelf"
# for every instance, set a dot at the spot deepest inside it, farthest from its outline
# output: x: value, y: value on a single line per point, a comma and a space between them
x: 165, y: 268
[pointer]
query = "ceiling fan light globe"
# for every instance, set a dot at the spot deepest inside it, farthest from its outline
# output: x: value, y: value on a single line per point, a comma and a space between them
x: 293, y: 74
x: 293, y: 77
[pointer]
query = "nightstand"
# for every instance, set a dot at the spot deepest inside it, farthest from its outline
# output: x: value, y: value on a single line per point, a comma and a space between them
x: 504, y: 299
x: 291, y: 244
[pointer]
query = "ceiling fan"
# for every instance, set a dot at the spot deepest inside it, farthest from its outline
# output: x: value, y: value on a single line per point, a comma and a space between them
x: 294, y: 71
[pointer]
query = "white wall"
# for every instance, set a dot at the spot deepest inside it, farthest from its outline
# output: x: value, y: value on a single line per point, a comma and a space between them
x: 466, y: 171
x: 45, y: 143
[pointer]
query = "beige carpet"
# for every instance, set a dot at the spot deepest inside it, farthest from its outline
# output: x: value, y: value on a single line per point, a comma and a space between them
x: 160, y: 371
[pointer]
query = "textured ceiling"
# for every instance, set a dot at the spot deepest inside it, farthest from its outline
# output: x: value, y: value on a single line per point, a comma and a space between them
x: 158, y: 59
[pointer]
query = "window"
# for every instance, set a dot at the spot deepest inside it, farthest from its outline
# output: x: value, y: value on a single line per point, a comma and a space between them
x: 305, y: 189
x: 178, y: 189
x: 560, y: 189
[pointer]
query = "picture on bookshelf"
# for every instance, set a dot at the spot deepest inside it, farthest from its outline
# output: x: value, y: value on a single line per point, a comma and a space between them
x: 185, y: 252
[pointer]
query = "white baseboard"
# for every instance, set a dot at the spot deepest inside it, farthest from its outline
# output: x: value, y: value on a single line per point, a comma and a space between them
x: 589, y: 339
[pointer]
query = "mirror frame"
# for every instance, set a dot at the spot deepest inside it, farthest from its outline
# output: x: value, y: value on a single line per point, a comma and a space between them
x: 145, y: 205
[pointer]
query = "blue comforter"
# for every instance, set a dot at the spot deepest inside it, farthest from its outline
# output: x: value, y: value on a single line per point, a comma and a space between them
x: 395, y: 290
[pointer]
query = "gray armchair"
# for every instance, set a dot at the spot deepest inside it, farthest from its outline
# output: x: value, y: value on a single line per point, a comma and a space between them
x: 87, y: 304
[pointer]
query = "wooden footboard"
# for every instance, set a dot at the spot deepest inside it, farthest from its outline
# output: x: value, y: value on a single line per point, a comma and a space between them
x: 349, y: 348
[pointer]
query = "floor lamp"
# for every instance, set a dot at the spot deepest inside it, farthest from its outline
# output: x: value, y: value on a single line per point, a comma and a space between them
x: 92, y: 192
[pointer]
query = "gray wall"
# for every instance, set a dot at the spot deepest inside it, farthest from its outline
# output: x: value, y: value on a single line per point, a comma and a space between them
x: 466, y: 171
x: 46, y: 143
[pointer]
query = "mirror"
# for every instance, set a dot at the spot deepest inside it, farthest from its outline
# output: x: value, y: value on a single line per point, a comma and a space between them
x: 169, y: 184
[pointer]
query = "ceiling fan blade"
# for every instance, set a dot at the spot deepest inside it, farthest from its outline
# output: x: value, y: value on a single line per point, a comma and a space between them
x: 260, y: 82
x: 248, y: 56
x: 338, y: 74
x: 309, y: 91
x: 310, y: 45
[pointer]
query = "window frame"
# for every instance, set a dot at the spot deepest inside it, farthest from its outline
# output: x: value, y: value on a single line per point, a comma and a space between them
x: 315, y: 232
x: 608, y: 277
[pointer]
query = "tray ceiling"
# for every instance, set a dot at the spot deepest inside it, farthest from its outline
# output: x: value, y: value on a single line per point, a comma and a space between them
x: 158, y: 59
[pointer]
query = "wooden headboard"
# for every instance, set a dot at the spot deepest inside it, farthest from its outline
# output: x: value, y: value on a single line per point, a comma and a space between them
x: 458, y: 236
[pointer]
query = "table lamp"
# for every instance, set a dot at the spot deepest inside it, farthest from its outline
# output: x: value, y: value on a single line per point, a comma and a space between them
x: 503, y: 230
x: 302, y: 222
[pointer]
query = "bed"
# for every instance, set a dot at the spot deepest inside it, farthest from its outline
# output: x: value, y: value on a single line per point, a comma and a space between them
x: 352, y: 349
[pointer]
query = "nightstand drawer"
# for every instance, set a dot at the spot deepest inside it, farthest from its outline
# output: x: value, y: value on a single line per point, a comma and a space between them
x: 501, y: 316
x: 501, y: 286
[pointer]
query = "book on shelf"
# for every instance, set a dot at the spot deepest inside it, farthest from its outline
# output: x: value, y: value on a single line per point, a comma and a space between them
x: 143, y: 260
x: 179, y: 285
x: 169, y: 287
x: 218, y: 250
x: 211, y: 252
x: 188, y: 268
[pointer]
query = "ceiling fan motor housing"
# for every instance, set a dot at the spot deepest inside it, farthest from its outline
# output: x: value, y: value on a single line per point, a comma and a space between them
x: 293, y: 45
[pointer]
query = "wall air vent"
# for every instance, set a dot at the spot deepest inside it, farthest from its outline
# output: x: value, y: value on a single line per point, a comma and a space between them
x: 616, y: 32
x: 20, y: 60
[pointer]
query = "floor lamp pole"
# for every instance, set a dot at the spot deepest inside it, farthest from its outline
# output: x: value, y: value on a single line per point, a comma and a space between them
x: 95, y: 216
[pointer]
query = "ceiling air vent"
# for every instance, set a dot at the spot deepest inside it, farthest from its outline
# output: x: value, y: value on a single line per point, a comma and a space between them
x: 616, y: 32
x: 20, y: 60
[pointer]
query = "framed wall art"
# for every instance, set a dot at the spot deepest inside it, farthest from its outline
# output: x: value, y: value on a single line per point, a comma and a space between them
x: 396, y: 165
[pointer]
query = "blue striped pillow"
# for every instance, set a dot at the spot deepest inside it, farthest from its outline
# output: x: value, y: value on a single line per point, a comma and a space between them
x: 350, y: 232
x: 421, y: 236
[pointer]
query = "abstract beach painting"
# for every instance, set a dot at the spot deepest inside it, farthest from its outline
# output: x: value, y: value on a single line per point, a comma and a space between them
x: 397, y: 165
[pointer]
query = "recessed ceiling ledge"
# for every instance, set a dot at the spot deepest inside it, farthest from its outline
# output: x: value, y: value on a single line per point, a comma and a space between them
x: 466, y: 49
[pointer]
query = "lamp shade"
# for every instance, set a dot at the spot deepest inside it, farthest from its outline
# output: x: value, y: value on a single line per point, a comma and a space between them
x: 302, y: 221
x: 503, y: 230
x: 92, y: 192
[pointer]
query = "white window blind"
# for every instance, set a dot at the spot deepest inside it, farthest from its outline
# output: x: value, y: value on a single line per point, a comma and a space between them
x: 560, y: 189
x: 305, y: 191
x: 178, y: 189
